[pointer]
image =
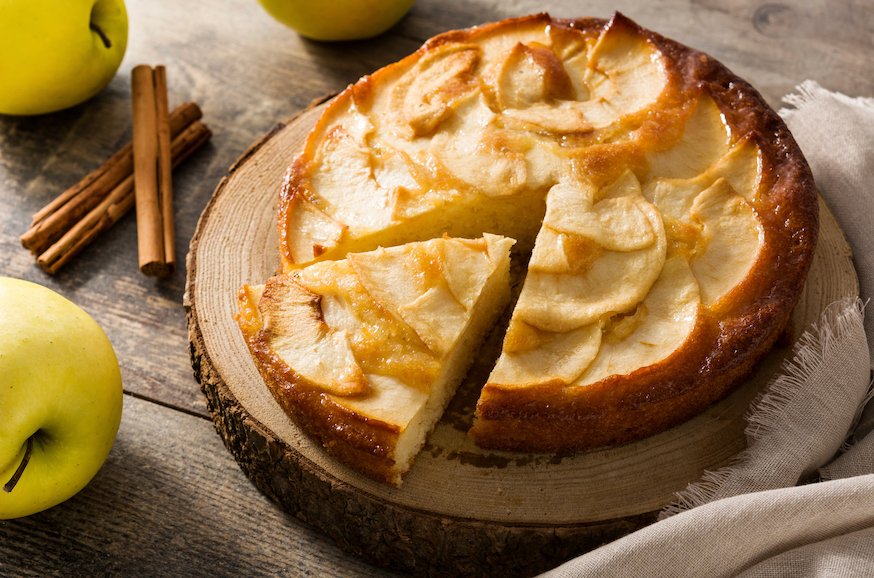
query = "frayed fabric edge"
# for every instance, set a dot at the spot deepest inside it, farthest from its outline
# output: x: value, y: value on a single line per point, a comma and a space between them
x: 810, y: 92
x: 838, y: 321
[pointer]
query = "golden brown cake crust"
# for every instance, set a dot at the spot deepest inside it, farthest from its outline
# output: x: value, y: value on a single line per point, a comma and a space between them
x: 730, y: 337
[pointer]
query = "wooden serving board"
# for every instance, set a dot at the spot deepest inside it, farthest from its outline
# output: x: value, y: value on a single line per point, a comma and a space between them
x: 461, y: 510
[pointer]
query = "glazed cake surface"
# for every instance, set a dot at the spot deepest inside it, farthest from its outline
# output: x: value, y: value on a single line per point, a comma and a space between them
x: 666, y: 214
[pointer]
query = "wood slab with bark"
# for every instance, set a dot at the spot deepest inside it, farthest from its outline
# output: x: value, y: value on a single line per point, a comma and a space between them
x: 461, y: 510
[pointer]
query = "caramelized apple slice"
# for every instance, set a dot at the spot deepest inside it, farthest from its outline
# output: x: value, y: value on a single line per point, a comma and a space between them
x: 529, y: 87
x: 381, y: 342
x: 557, y: 357
x: 412, y: 284
x: 625, y: 74
x: 662, y: 324
x: 531, y: 74
x: 470, y: 260
x: 555, y: 119
x: 395, y: 278
x: 613, y: 278
x: 308, y: 233
x: 615, y: 283
x: 437, y: 318
x: 557, y: 252
x: 344, y: 178
x: 622, y: 221
x: 393, y: 170
x: 706, y: 139
x: 479, y: 153
x: 295, y: 330
x: 574, y: 56
x: 427, y: 95
x: 733, y: 236
x: 741, y: 167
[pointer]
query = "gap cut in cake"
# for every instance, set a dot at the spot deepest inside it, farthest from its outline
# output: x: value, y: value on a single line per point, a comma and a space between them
x: 668, y: 218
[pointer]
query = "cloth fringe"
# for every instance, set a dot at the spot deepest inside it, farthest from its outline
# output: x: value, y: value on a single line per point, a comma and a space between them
x: 816, y: 345
x: 810, y: 92
x: 838, y: 321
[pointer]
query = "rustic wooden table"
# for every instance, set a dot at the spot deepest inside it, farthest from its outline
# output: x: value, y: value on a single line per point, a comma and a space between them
x: 171, y: 500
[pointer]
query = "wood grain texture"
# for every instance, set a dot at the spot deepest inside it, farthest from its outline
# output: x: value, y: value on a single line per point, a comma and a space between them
x: 468, y: 494
x: 169, y: 501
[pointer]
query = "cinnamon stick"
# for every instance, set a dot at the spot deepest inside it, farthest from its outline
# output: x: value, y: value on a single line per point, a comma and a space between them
x: 165, y: 168
x: 188, y: 141
x: 59, y: 201
x: 56, y: 218
x: 48, y: 230
x: 113, y: 213
x: 150, y: 228
x: 119, y: 201
x: 64, y: 248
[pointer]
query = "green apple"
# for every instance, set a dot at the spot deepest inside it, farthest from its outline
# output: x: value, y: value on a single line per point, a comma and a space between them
x: 60, y: 398
x: 338, y: 19
x: 55, y: 54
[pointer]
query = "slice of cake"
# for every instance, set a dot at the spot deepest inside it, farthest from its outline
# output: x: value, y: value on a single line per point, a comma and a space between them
x: 365, y: 353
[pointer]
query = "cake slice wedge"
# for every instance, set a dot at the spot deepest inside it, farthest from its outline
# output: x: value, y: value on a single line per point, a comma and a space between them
x: 365, y: 353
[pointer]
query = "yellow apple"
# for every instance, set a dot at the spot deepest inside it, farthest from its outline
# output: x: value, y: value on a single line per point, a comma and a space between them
x: 338, y: 19
x: 55, y: 54
x: 60, y: 398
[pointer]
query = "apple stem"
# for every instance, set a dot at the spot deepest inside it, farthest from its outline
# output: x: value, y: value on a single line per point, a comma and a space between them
x: 17, y: 475
x: 101, y: 34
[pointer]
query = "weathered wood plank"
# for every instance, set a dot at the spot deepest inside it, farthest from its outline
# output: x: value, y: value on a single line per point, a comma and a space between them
x: 247, y: 72
x: 169, y: 501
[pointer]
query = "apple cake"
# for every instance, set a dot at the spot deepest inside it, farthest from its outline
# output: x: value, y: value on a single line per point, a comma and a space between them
x: 667, y: 216
x: 366, y: 352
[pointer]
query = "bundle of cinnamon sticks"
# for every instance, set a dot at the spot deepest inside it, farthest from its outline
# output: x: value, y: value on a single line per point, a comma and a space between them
x: 138, y: 174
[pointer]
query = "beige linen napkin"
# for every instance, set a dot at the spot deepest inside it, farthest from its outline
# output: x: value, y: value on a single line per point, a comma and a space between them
x: 752, y: 518
x: 836, y: 133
